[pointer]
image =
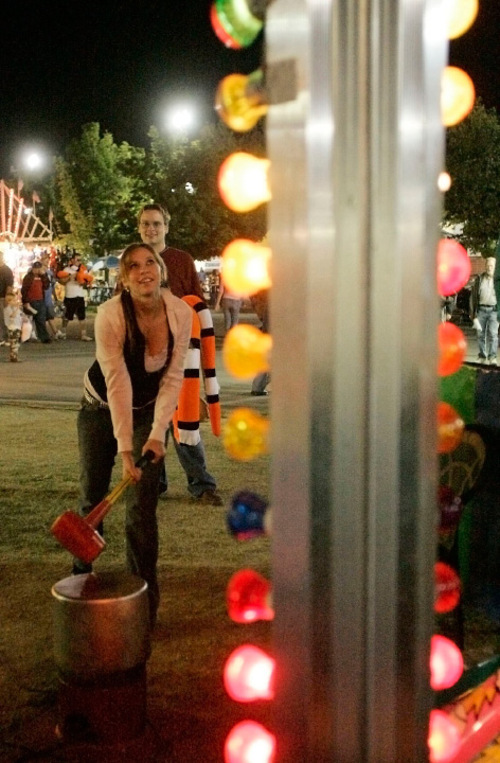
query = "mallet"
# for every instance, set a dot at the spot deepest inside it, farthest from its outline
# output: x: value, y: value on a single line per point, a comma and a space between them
x: 78, y: 534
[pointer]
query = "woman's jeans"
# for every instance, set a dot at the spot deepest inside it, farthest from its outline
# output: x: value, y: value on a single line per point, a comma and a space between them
x: 98, y: 449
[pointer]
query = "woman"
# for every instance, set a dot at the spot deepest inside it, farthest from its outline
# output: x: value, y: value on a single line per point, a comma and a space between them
x: 130, y: 397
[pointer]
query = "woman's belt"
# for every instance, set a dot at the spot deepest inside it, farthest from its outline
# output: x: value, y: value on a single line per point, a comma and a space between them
x: 95, y: 403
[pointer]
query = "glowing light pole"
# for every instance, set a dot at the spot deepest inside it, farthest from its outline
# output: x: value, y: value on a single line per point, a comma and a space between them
x: 181, y: 119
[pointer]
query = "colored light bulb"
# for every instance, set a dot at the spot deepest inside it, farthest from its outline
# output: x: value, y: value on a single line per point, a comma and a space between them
x: 237, y: 22
x: 245, y: 518
x: 446, y: 663
x: 444, y: 182
x: 446, y: 588
x: 246, y: 434
x: 450, y: 509
x: 243, y: 182
x: 246, y: 351
x: 450, y: 428
x: 452, y: 348
x: 245, y: 267
x: 248, y: 674
x: 457, y: 95
x: 241, y: 100
x: 453, y: 267
x: 249, y: 742
x: 462, y: 15
x: 444, y: 737
x: 249, y: 597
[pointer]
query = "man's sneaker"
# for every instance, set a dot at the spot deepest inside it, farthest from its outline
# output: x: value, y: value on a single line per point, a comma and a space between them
x: 493, y: 362
x: 59, y: 335
x: 86, y: 338
x: 210, y: 498
x: 481, y: 358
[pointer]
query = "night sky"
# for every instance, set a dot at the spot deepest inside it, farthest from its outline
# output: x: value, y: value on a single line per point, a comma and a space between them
x: 123, y: 62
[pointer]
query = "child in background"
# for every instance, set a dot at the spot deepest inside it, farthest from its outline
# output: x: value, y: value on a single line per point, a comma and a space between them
x: 13, y: 317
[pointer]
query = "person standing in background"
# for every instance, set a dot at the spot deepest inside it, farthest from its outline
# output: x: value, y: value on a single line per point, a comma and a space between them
x: 33, y: 288
x: 484, y: 313
x: 183, y: 281
x: 49, y: 297
x: 74, y: 276
x: 231, y: 306
x: 6, y: 283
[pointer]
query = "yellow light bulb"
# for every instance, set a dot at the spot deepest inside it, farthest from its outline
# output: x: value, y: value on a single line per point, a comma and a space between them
x: 246, y: 434
x: 245, y: 267
x: 241, y: 101
x: 462, y: 15
x: 246, y: 351
x: 457, y: 95
x: 243, y: 183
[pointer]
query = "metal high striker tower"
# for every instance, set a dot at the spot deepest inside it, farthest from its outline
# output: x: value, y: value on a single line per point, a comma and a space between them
x: 354, y: 224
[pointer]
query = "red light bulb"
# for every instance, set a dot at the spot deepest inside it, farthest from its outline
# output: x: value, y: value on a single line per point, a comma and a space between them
x: 453, y: 267
x: 450, y: 428
x: 444, y: 737
x: 446, y: 663
x: 446, y: 588
x: 249, y: 742
x: 248, y: 674
x: 452, y: 348
x: 248, y: 597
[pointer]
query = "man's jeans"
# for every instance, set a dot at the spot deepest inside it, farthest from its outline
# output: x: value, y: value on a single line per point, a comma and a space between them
x: 488, y: 337
x: 97, y: 455
x: 192, y: 459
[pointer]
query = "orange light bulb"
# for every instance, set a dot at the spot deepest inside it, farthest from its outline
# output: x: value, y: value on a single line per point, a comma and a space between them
x: 450, y: 428
x: 245, y: 267
x: 457, y: 95
x: 246, y: 434
x: 243, y: 183
x: 241, y: 100
x: 246, y: 351
x: 462, y: 15
x: 249, y: 742
x: 452, y: 348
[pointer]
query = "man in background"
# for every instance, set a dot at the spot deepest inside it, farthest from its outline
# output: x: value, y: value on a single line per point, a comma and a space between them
x: 484, y: 313
x: 74, y: 276
x: 183, y: 281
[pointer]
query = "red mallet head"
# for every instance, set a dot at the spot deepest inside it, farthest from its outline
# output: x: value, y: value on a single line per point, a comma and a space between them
x: 78, y: 536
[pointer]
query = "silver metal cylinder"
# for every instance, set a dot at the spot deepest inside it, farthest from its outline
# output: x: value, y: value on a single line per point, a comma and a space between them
x: 101, y: 625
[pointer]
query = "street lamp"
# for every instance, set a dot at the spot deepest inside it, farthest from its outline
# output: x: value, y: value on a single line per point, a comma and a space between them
x: 181, y: 119
x: 33, y: 160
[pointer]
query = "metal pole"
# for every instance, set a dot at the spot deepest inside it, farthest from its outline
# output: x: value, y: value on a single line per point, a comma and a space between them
x: 353, y: 229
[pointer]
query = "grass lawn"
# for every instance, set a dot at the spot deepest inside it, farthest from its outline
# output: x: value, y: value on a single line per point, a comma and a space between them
x: 189, y: 714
